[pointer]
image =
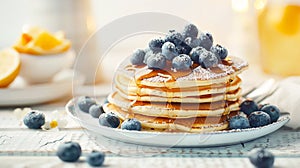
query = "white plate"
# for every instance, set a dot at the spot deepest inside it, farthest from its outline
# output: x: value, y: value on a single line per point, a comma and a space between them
x: 169, y: 139
x: 20, y: 94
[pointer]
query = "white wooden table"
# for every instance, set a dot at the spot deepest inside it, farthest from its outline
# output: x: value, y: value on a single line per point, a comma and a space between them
x: 22, y: 147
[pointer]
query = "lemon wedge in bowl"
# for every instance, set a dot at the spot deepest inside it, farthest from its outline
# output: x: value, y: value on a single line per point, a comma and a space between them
x: 9, y: 66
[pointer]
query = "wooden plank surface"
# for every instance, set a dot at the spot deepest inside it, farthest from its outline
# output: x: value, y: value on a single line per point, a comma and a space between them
x: 22, y: 147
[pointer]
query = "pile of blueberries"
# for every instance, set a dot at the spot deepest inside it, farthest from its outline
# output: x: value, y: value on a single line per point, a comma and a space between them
x: 89, y: 105
x: 256, y: 115
x: 182, y: 50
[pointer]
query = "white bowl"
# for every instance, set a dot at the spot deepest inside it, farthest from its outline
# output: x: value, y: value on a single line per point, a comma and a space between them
x: 41, y: 69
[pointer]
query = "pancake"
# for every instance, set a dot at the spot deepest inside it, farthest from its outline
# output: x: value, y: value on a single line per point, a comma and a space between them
x: 168, y: 97
x: 129, y: 87
x: 197, y: 76
x: 194, y: 124
x: 173, y: 110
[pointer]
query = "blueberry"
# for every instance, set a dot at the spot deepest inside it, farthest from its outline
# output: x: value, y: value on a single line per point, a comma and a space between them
x: 183, y: 48
x: 260, y: 106
x: 148, y: 54
x: 169, y: 50
x: 157, y: 61
x: 137, y: 57
x: 248, y: 106
x: 85, y: 102
x: 156, y: 44
x: 238, y: 122
x: 174, y: 37
x: 131, y: 124
x: 95, y: 158
x: 96, y: 110
x: 69, y: 151
x: 34, y: 120
x: 206, y: 40
x: 190, y: 30
x: 273, y: 112
x: 219, y: 51
x: 182, y: 62
x: 259, y: 118
x: 192, y: 42
x: 209, y: 36
x: 109, y: 120
x: 196, y: 52
x: 207, y: 59
x: 261, y: 158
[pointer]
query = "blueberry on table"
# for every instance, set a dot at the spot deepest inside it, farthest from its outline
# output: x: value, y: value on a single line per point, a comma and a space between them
x: 34, y: 120
x: 219, y: 51
x: 239, y: 122
x: 157, y: 61
x: 95, y: 158
x: 182, y: 62
x: 207, y: 59
x: 69, y: 151
x: 206, y: 40
x: 156, y: 44
x: 137, y: 57
x: 261, y: 158
x: 273, y: 112
x: 259, y: 118
x: 190, y: 30
x: 248, y: 106
x: 85, y: 102
x: 96, y: 110
x: 169, y: 50
x: 109, y: 120
x: 174, y: 37
x: 196, y: 52
x: 131, y: 124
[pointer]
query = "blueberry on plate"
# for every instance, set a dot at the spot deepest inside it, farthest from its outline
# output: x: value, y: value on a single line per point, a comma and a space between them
x: 131, y: 124
x: 137, y: 57
x: 157, y: 61
x: 95, y: 158
x: 174, y: 37
x: 85, y: 102
x: 259, y: 118
x: 156, y: 44
x: 109, y: 120
x: 182, y: 62
x: 206, y: 40
x: 261, y: 158
x: 239, y: 122
x: 69, y: 151
x: 207, y: 59
x: 219, y: 51
x: 248, y: 106
x: 196, y: 52
x: 190, y: 30
x: 273, y: 112
x: 169, y: 50
x: 96, y: 110
x: 34, y: 120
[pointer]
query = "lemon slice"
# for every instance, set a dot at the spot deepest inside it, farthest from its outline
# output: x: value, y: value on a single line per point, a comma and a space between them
x: 38, y: 41
x: 9, y: 66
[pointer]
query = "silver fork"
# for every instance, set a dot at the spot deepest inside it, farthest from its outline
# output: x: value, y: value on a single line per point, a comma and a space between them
x: 261, y: 91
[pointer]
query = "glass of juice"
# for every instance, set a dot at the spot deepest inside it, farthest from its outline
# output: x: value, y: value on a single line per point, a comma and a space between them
x: 279, y: 36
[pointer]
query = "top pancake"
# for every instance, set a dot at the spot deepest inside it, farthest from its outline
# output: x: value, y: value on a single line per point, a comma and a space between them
x: 196, y: 76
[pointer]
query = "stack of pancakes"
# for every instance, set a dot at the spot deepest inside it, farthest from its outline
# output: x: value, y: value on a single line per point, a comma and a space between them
x: 195, y: 100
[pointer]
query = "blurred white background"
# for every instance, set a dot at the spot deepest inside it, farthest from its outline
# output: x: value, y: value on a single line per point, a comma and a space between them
x: 80, y: 18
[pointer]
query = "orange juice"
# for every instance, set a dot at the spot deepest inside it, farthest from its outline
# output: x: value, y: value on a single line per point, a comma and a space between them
x: 279, y: 35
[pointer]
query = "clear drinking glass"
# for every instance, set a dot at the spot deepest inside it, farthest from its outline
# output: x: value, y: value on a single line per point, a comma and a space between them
x: 279, y: 36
